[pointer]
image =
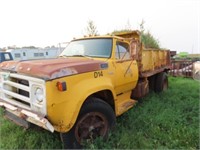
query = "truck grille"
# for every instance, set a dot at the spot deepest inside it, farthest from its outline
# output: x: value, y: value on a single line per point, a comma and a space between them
x: 23, y: 92
x: 16, y: 89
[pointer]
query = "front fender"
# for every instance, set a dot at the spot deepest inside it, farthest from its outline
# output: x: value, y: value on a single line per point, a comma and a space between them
x: 63, y: 107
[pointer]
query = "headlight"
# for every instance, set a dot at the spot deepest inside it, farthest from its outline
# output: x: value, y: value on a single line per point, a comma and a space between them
x: 38, y: 98
x: 39, y: 94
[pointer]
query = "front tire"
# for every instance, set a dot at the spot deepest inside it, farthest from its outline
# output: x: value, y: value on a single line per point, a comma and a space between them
x: 95, y: 119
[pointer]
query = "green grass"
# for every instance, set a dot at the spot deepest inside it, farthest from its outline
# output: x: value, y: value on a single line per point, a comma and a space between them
x: 169, y: 120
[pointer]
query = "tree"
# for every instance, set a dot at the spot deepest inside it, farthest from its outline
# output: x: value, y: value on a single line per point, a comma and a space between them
x: 127, y: 28
x: 29, y: 47
x: 142, y: 26
x: 91, y: 28
x: 147, y: 38
x: 149, y: 41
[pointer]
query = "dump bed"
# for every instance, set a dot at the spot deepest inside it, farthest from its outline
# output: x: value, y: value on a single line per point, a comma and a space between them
x: 150, y: 61
x: 153, y: 61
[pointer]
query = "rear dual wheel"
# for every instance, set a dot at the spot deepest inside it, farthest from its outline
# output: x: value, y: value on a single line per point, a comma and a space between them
x: 158, y: 82
x: 96, y: 118
x: 161, y: 82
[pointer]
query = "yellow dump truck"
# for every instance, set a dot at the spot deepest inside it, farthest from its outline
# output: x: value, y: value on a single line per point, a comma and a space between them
x: 80, y: 93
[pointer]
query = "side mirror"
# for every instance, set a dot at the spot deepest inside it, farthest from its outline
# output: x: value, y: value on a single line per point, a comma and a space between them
x: 134, y: 48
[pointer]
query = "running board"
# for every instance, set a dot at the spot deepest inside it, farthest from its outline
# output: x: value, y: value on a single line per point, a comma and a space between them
x: 124, y: 103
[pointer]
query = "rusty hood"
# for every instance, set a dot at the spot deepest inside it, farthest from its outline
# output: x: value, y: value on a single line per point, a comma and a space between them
x: 49, y: 69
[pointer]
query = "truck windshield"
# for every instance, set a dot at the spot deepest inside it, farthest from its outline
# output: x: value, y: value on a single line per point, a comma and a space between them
x: 89, y: 47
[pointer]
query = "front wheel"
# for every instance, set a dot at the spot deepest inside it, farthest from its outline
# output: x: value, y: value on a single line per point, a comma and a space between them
x: 95, y: 119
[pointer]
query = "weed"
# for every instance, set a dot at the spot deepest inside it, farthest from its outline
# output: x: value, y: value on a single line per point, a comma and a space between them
x: 160, y: 121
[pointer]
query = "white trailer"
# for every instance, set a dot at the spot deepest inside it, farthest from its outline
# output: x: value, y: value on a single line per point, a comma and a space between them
x: 26, y: 54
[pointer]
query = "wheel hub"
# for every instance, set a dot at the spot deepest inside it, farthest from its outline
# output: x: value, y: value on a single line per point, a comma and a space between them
x: 90, y: 126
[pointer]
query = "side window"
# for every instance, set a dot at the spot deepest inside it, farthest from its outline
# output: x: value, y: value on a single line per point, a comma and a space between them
x: 17, y: 55
x: 7, y: 56
x: 122, y: 51
x: 36, y: 54
x: 41, y: 54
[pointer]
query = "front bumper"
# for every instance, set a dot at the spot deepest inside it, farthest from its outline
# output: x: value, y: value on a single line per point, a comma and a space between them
x: 27, y: 116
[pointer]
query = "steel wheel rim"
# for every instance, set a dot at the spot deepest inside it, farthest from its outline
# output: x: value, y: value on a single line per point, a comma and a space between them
x: 90, y: 126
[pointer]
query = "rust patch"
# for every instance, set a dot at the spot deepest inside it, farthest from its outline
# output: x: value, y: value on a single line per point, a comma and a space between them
x: 140, y: 90
x: 63, y: 72
x: 153, y: 72
x: 8, y: 65
x: 53, y: 68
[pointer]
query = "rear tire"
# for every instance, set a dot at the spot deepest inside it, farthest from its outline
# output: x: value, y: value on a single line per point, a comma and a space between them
x: 152, y: 82
x: 96, y: 118
x: 161, y: 82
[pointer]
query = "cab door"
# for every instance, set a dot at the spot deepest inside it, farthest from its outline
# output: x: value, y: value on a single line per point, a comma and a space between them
x: 126, y: 70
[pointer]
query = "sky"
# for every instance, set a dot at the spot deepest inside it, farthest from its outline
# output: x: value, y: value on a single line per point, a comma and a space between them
x: 175, y: 23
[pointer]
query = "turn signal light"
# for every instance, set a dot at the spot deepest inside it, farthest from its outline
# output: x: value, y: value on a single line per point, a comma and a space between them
x: 61, y: 86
